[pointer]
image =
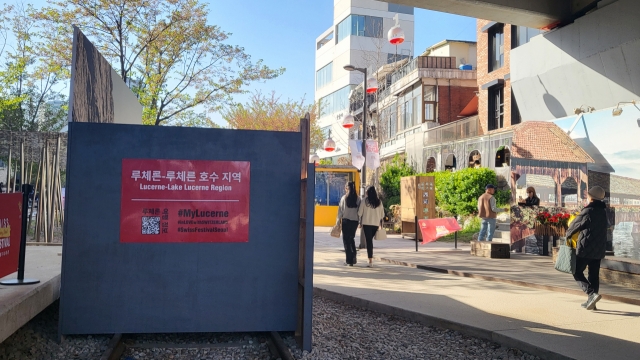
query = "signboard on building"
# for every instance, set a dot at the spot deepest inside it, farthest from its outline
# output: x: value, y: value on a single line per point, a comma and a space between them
x: 10, y: 231
x: 166, y: 201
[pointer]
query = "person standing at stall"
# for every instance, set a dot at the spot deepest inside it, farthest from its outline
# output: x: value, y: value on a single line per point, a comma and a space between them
x: 591, y: 225
x: 371, y: 214
x: 348, y: 214
x: 532, y: 198
x: 487, y: 212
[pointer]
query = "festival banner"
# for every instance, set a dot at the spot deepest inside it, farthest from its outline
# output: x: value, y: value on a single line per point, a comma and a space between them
x: 373, y: 155
x: 166, y: 201
x: 357, y: 160
x: 432, y: 229
x: 10, y: 231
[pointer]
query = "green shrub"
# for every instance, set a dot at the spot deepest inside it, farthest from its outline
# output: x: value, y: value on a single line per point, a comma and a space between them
x: 458, y: 192
x: 390, y: 180
x: 503, y: 198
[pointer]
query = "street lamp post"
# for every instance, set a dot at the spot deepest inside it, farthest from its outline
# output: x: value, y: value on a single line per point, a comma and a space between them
x: 363, y: 181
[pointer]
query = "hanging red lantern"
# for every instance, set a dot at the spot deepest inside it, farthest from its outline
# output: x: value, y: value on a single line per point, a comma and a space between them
x: 372, y: 85
x: 329, y: 145
x: 348, y: 121
x: 396, y: 35
x: 314, y: 158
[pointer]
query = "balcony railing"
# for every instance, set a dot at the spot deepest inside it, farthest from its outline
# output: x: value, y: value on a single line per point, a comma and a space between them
x: 456, y: 130
x: 424, y: 62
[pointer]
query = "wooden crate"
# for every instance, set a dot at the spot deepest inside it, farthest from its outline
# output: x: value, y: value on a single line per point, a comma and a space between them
x: 491, y: 249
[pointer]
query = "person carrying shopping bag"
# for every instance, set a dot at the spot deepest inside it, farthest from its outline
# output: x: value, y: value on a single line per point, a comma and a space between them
x: 591, y: 225
x: 348, y: 215
x: 371, y: 214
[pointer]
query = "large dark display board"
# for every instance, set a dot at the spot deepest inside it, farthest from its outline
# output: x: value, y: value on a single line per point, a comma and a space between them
x: 109, y: 286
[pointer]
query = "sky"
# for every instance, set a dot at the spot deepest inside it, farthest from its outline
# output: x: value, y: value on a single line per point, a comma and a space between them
x: 616, y: 137
x: 283, y: 34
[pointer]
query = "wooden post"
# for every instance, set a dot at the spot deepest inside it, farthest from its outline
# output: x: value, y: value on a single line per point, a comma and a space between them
x: 305, y: 127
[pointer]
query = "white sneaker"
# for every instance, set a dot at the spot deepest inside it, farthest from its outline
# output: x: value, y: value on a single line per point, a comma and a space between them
x: 370, y: 265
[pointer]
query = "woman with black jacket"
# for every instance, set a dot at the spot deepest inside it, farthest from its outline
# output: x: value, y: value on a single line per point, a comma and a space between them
x: 591, y: 225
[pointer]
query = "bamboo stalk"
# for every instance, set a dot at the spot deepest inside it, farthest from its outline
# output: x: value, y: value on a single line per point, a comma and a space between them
x: 21, y: 164
x: 43, y: 170
x: 33, y: 201
x: 9, y: 170
x: 54, y: 188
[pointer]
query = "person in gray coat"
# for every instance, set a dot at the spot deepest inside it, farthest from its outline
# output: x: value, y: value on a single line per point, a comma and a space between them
x: 591, y: 225
x: 348, y: 214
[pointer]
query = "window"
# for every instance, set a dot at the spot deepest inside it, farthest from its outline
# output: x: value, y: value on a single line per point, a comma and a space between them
x: 516, y: 118
x: 336, y: 101
x: 323, y: 76
x: 521, y: 35
x: 326, y: 132
x: 330, y: 187
x: 393, y: 120
x: 430, y: 103
x: 359, y: 25
x: 496, y: 47
x: 324, y: 41
x: 496, y: 108
x: 407, y: 114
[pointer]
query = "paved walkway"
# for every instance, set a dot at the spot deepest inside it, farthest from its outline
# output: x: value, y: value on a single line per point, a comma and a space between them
x: 19, y: 304
x: 547, y: 323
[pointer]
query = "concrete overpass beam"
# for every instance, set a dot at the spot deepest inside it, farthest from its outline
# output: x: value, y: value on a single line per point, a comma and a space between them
x: 535, y: 14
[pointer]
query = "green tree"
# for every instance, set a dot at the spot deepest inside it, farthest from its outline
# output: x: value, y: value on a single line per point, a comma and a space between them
x: 271, y: 113
x: 390, y: 180
x: 179, y: 62
x: 28, y: 100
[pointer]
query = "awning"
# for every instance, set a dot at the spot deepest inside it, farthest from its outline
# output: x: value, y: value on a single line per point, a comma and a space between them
x: 471, y: 108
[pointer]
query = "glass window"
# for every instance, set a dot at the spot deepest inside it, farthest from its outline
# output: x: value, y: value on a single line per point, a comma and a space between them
x: 521, y: 35
x: 336, y: 101
x: 516, y: 118
x: 393, y: 119
x: 359, y: 25
x: 321, y: 188
x: 496, y: 108
x: 496, y: 47
x: 323, y: 76
x: 372, y: 27
x: 416, y: 111
x: 408, y: 114
x: 330, y: 187
x: 337, y: 182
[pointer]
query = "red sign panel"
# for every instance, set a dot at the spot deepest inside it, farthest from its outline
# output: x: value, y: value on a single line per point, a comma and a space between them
x: 184, y: 201
x: 10, y: 231
x: 432, y: 229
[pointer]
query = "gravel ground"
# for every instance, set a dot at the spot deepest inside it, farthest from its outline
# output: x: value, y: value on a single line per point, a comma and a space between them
x: 346, y: 332
x: 37, y: 340
x: 339, y: 332
x: 213, y: 346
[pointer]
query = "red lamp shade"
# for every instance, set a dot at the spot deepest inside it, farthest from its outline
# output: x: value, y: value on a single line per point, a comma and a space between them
x: 396, y: 35
x: 314, y: 158
x: 348, y: 122
x: 329, y: 145
x: 372, y: 85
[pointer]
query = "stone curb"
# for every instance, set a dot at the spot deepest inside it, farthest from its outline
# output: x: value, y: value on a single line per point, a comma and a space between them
x: 429, y: 320
x: 616, y: 298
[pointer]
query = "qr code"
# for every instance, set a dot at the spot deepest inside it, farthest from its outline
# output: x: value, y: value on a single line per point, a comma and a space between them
x: 150, y: 225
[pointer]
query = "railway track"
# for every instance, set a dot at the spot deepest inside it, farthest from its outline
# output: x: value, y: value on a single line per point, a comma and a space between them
x: 269, y: 345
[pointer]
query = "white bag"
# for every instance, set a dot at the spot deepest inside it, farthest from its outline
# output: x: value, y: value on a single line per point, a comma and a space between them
x: 381, y: 234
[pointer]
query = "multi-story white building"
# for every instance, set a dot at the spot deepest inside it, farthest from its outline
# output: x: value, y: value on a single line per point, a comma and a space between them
x: 358, y: 36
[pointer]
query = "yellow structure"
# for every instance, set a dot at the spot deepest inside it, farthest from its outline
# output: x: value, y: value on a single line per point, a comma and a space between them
x: 330, y: 183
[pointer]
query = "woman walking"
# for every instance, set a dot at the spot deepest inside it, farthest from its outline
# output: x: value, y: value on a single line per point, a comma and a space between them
x: 371, y: 214
x: 592, y: 225
x: 348, y: 214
